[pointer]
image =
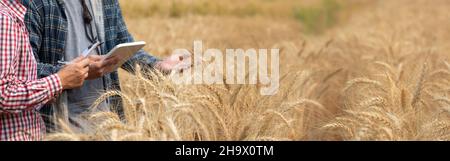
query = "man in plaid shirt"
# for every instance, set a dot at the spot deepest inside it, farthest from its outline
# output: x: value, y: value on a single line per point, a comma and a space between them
x: 58, y: 28
x: 21, y: 93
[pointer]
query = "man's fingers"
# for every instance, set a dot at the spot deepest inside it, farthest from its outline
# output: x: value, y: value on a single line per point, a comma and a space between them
x: 84, y: 63
x: 112, y: 60
x: 105, y: 63
x: 96, y: 65
x: 85, y: 71
x: 95, y: 57
x: 78, y: 59
x: 109, y: 62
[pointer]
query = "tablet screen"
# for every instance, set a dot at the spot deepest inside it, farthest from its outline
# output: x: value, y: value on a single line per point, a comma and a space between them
x: 124, y: 52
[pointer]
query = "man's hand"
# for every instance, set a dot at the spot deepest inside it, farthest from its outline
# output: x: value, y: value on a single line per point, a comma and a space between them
x: 73, y: 75
x: 175, y: 63
x: 99, y: 66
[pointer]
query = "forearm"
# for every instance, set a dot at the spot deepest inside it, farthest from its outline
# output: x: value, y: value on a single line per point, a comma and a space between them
x: 17, y: 96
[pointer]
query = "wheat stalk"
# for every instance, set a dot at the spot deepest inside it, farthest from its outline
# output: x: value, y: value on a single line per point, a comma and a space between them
x: 357, y: 81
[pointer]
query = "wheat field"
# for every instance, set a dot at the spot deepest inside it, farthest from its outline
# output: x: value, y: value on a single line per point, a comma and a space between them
x: 376, y: 70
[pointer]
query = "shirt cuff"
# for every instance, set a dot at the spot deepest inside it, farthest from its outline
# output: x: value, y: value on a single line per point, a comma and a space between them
x: 54, y: 84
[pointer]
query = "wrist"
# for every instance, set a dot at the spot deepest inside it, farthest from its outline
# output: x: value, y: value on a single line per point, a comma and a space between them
x: 62, y: 81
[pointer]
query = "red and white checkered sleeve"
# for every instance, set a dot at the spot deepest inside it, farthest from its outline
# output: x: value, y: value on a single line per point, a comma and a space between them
x: 17, y: 95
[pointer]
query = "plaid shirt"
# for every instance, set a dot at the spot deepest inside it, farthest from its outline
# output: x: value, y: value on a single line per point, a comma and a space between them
x: 21, y: 93
x: 47, y: 23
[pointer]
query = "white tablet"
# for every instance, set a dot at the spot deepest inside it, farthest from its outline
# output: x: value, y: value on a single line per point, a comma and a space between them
x: 125, y: 51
